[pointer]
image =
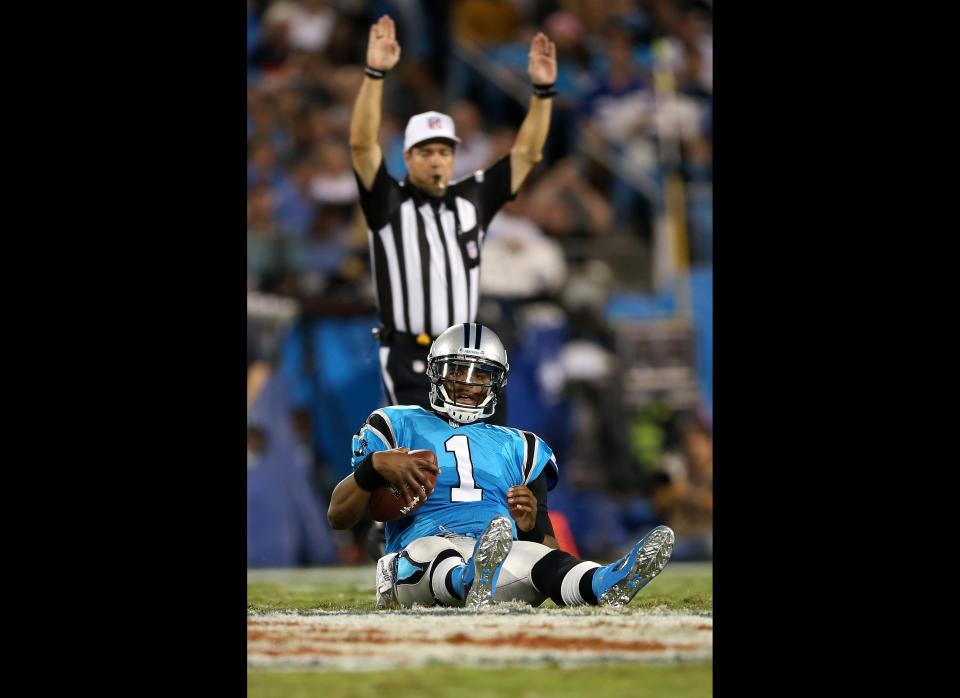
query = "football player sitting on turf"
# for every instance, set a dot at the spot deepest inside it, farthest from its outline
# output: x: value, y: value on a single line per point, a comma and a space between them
x: 483, y: 533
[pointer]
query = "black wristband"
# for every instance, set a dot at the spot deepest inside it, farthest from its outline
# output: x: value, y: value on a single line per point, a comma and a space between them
x: 367, y: 477
x: 544, y: 91
x: 535, y: 534
x: 374, y: 73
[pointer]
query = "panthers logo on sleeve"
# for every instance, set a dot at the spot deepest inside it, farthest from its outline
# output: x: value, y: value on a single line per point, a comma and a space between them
x: 375, y: 434
x: 359, y: 445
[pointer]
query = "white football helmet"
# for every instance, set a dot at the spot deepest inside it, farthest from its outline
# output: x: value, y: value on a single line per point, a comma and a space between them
x: 467, y: 367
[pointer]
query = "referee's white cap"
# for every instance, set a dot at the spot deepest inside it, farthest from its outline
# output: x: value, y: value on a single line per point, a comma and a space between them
x: 426, y: 127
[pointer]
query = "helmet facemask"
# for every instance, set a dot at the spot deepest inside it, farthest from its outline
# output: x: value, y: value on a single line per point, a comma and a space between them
x: 463, y: 388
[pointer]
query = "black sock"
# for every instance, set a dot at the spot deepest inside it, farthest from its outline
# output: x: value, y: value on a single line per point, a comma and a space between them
x: 547, y: 576
x: 586, y: 587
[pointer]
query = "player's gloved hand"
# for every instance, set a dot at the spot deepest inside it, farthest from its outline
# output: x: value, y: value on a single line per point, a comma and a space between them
x: 523, y: 507
x: 383, y: 51
x: 404, y: 471
x: 542, y: 66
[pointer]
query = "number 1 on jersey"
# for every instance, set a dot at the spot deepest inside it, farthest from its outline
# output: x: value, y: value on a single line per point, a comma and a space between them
x: 467, y: 490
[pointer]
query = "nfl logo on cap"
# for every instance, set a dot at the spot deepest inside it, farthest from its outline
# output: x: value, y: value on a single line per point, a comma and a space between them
x: 427, y: 126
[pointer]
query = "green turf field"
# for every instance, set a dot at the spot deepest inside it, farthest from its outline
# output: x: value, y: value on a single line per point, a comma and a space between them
x: 681, y: 587
x: 635, y: 680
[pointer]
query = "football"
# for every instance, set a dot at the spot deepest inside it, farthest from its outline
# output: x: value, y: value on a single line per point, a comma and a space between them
x: 386, y: 502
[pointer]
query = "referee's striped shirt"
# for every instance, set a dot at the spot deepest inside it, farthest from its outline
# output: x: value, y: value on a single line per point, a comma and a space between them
x: 425, y: 251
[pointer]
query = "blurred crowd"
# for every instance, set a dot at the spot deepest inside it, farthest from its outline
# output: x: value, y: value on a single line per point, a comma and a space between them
x: 634, y: 108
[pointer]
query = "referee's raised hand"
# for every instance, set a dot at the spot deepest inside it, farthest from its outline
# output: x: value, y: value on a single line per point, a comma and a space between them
x: 543, y: 60
x: 383, y: 51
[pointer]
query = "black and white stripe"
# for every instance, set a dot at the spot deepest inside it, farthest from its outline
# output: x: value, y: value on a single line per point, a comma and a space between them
x: 472, y: 334
x: 422, y: 279
x: 531, y: 450
x: 426, y: 251
x: 380, y: 424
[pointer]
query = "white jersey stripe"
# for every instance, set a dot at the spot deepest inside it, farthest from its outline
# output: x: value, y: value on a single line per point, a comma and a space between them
x: 393, y: 266
x: 458, y: 272
x: 523, y: 463
x: 380, y: 436
x: 438, y: 277
x: 467, y: 213
x: 387, y: 380
x: 533, y: 461
x: 383, y: 414
x: 474, y: 290
x: 411, y: 260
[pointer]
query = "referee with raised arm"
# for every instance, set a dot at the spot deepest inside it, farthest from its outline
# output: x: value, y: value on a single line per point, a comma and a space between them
x: 426, y: 233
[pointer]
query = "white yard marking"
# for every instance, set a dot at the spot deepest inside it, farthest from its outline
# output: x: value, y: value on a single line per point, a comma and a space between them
x: 509, y: 634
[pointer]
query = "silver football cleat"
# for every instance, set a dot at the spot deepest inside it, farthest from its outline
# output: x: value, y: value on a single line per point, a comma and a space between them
x: 488, y: 555
x: 621, y: 580
x: 386, y: 577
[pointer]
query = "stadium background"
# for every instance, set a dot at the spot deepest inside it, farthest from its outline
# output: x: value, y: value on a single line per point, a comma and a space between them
x: 598, y: 277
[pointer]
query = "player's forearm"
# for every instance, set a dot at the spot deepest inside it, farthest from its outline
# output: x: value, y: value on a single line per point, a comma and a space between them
x: 542, y: 69
x: 528, y: 147
x: 533, y: 131
x: 347, y: 503
x: 365, y: 120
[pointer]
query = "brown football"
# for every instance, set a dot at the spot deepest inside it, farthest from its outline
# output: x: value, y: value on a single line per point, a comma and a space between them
x: 386, y: 503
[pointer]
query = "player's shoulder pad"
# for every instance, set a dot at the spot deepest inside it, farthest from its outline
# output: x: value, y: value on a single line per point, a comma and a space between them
x: 385, y: 423
x: 535, y: 456
x: 388, y: 423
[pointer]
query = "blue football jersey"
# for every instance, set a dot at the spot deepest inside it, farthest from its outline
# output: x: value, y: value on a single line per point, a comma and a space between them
x: 478, y: 463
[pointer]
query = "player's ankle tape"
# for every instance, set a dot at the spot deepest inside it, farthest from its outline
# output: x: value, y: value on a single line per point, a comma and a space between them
x: 367, y: 477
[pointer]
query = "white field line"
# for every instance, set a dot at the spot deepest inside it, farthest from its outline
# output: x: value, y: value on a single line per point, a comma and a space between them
x: 408, y: 639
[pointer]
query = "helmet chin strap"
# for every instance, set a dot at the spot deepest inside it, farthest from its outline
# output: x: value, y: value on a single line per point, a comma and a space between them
x: 461, y: 413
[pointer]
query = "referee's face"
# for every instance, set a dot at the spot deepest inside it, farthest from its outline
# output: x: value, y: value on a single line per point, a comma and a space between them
x: 430, y: 165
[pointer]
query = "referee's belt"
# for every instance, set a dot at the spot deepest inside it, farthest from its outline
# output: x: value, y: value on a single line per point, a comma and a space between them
x: 390, y: 337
